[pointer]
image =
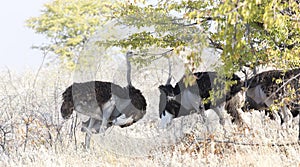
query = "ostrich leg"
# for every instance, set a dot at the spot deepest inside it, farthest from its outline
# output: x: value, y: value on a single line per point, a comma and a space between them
x: 89, y: 133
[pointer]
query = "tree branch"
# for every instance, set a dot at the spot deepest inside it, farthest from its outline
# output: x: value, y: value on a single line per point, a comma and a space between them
x: 289, y: 80
x: 215, y: 44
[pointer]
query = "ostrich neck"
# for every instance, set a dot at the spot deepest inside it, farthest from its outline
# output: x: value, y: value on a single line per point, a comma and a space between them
x: 128, y: 70
x: 169, y: 76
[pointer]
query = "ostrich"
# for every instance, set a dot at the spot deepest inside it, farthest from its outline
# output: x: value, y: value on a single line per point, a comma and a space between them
x: 275, y: 86
x: 181, y: 100
x: 105, y: 103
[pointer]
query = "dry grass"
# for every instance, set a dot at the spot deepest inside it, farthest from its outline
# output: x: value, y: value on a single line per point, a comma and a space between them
x: 32, y: 133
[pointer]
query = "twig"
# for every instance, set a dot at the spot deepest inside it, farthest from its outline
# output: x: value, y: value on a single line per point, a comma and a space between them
x: 156, y: 54
x: 289, y: 80
x: 214, y: 44
x: 247, y: 144
x: 40, y: 67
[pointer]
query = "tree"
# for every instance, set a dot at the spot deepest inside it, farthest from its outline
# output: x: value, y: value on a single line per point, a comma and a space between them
x: 68, y: 24
x: 248, y: 32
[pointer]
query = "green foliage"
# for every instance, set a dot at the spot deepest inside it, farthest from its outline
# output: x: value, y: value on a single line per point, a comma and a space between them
x: 258, y: 32
x: 255, y: 32
x: 68, y: 24
x: 167, y: 29
x: 249, y: 32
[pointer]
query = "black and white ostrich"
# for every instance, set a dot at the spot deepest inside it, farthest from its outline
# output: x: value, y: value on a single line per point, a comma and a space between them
x: 275, y: 86
x: 181, y: 100
x: 105, y: 103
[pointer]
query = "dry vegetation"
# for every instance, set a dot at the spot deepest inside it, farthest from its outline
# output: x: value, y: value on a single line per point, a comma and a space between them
x: 32, y: 132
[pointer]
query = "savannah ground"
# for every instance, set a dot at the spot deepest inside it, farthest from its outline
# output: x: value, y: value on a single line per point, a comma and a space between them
x: 32, y: 132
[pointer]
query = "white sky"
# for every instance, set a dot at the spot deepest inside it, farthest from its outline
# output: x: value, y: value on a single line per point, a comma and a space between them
x: 16, y: 39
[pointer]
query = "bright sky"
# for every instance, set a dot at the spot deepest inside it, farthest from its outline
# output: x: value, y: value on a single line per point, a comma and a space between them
x: 16, y: 39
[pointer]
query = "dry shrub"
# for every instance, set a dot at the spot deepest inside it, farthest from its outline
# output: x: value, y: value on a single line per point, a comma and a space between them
x: 32, y: 132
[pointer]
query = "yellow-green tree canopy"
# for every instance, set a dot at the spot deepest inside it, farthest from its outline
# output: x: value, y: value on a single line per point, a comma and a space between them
x: 68, y: 24
x: 248, y: 32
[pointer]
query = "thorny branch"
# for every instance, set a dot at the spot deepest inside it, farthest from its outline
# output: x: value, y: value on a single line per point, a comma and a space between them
x: 281, y: 87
